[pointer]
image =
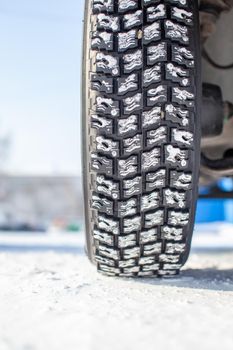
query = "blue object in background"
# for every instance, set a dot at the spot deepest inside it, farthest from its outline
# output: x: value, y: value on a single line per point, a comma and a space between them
x: 226, y: 184
x: 217, y: 209
x: 228, y: 204
x: 210, y: 210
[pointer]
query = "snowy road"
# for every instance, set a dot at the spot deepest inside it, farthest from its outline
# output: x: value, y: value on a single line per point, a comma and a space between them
x: 57, y: 301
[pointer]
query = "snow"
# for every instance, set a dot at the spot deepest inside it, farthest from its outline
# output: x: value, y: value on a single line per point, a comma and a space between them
x: 52, y: 298
x: 217, y: 235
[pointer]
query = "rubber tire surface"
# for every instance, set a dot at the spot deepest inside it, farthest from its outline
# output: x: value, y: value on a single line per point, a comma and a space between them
x: 141, y: 134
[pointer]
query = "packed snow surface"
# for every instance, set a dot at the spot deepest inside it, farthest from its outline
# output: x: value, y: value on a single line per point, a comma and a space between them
x: 55, y: 300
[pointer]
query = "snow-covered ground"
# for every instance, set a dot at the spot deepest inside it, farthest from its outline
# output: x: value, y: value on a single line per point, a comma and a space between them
x: 51, y: 298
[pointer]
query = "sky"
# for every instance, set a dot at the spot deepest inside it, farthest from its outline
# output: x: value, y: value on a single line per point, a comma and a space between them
x: 40, y: 69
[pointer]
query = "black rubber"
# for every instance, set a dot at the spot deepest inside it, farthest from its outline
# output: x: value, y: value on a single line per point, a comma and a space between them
x: 141, y: 133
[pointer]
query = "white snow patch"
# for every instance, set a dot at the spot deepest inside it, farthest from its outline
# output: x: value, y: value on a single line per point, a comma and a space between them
x: 55, y: 301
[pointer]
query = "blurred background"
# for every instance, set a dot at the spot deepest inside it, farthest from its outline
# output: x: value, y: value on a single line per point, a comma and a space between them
x: 40, y: 162
x: 40, y: 147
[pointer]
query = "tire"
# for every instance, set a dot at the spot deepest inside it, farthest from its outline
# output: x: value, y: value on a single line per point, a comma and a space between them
x: 141, y: 134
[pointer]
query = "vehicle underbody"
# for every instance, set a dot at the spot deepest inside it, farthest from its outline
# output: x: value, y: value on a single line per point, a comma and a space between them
x: 216, y: 18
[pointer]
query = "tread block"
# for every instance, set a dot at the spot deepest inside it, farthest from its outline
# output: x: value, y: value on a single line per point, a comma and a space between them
x: 107, y: 187
x: 108, y: 252
x: 150, y: 201
x: 132, y: 104
x: 107, y: 64
x: 181, y: 180
x: 155, y: 248
x: 108, y: 22
x: 178, y: 218
x: 151, y: 117
x: 127, y: 167
x: 127, y: 125
x: 182, y: 55
x: 145, y: 260
x: 132, y: 61
x: 149, y: 268
x: 165, y: 258
x: 157, y: 53
x: 127, y: 241
x: 176, y: 156
x: 131, y: 253
x: 156, y: 95
x: 154, y: 219
x: 107, y: 146
x: 145, y: 274
x: 148, y: 236
x: 132, y: 20
x: 155, y: 13
x: 101, y: 83
x: 174, y: 248
x: 175, y: 199
x: 123, y: 274
x: 172, y: 266
x: 127, y: 84
x: 182, y: 15
x: 102, y: 41
x: 176, y: 32
x: 103, y: 237
x: 126, y: 208
x: 103, y: 5
x: 152, y: 75
x: 126, y: 5
x: 156, y: 179
x: 103, y: 260
x: 158, y: 136
x: 179, y: 2
x: 177, y: 115
x: 172, y: 233
x: 151, y: 2
x: 101, y: 123
x: 132, y: 224
x: 152, y: 32
x: 104, y: 205
x: 182, y: 137
x: 111, y: 271
x: 107, y: 224
x: 132, y: 270
x: 107, y: 106
x: 177, y: 74
x: 127, y: 263
x: 132, y: 144
x: 150, y: 159
x: 101, y: 164
x: 127, y: 40
x: 132, y: 187
x: 183, y: 96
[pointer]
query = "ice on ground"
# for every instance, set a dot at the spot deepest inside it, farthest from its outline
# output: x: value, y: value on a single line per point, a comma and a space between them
x: 56, y: 301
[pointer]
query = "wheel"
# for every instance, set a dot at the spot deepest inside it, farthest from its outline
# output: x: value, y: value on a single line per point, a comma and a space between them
x: 141, y: 134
